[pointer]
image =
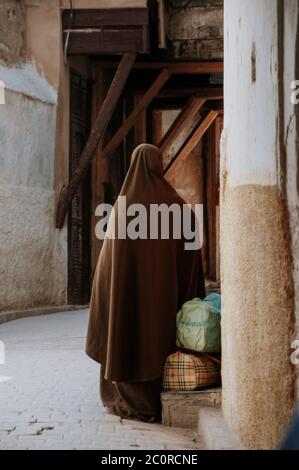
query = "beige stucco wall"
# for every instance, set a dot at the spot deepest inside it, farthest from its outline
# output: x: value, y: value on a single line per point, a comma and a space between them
x: 258, y: 389
x: 258, y: 318
x: 42, y: 37
x: 12, y: 29
x: 33, y: 252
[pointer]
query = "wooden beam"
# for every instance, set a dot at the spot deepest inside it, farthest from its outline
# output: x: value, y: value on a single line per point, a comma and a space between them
x: 157, y: 126
x: 191, y: 108
x: 209, y: 93
x: 193, y: 139
x: 106, y: 31
x: 96, y: 133
x: 196, y: 67
x: 95, y: 17
x: 140, y: 127
x: 219, y: 127
x: 211, y: 199
x: 99, y: 171
x: 106, y: 41
x: 133, y: 116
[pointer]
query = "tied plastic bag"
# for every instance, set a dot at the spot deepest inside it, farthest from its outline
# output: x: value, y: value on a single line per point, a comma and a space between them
x: 198, y: 325
x: 215, y: 301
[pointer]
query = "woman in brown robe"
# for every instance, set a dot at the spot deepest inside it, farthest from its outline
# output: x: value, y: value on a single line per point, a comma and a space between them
x: 138, y: 287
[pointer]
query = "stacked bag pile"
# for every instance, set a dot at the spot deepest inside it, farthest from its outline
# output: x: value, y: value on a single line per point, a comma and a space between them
x: 196, y: 364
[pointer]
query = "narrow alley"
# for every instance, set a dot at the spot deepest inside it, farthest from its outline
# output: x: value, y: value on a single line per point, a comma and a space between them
x: 149, y: 226
x: 49, y: 393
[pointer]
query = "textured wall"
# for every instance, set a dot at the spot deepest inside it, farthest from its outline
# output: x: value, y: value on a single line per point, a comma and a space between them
x: 257, y: 315
x: 12, y: 27
x: 256, y: 254
x: 196, y: 32
x: 33, y: 252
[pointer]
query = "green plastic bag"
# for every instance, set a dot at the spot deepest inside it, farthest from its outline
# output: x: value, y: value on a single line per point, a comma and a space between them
x: 198, y: 326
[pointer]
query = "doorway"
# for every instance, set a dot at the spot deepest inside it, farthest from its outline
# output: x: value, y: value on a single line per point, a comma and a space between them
x: 185, y: 113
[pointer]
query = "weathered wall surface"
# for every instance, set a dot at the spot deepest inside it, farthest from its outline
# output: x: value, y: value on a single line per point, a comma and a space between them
x: 197, y: 30
x: 33, y: 253
x: 12, y: 27
x: 42, y: 38
x: 42, y: 27
x: 256, y: 255
x: 257, y: 315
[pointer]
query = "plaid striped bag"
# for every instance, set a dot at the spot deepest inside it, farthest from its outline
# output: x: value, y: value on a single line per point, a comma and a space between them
x: 189, y: 372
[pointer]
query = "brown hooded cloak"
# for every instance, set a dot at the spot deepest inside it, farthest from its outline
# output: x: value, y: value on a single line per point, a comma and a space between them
x: 139, y: 285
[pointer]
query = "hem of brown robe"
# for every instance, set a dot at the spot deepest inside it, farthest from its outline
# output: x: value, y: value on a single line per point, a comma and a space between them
x: 149, y: 378
x: 132, y: 400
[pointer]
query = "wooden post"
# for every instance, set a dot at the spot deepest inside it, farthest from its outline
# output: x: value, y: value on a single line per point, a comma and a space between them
x: 218, y: 130
x: 98, y: 170
x: 101, y: 123
x: 211, y: 201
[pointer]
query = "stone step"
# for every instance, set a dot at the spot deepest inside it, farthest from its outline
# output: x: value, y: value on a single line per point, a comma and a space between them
x: 180, y: 409
x: 213, y: 432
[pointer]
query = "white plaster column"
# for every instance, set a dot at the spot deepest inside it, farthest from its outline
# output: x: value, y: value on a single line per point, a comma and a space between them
x: 256, y: 253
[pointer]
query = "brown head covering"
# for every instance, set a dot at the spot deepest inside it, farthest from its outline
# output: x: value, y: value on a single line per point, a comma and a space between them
x: 139, y: 285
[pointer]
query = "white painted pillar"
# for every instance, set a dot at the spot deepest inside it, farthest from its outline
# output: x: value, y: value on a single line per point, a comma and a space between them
x: 256, y: 264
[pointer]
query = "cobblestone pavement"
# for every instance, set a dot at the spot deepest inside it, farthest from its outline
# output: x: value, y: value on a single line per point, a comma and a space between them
x: 49, y: 393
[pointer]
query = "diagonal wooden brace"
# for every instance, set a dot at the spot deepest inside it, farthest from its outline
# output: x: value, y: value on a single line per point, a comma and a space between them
x: 144, y: 102
x: 192, y: 107
x: 102, y: 120
x: 193, y: 140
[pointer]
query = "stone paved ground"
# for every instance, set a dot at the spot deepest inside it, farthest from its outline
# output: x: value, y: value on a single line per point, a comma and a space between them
x: 49, y: 393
